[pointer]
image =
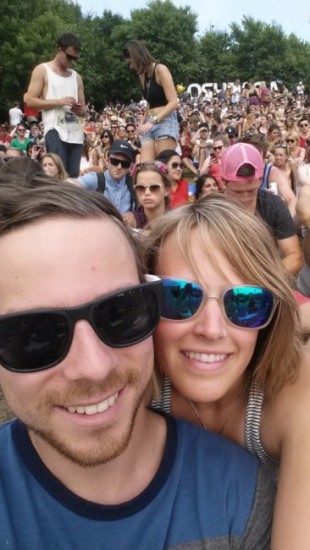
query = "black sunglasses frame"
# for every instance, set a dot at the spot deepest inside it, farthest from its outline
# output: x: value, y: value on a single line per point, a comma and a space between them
x: 87, y: 312
x: 70, y: 57
x: 124, y: 163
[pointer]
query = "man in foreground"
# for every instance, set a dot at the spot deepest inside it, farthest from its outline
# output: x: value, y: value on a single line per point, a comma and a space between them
x: 87, y: 465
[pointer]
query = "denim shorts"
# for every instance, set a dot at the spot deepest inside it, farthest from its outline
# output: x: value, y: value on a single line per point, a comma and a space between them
x: 166, y: 128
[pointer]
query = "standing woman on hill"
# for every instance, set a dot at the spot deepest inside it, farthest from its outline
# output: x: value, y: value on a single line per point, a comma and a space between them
x: 159, y: 129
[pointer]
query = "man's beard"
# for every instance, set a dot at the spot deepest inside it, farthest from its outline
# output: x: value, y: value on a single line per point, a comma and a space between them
x: 99, y: 444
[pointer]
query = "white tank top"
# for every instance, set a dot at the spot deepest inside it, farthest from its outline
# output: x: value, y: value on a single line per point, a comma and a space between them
x: 67, y: 124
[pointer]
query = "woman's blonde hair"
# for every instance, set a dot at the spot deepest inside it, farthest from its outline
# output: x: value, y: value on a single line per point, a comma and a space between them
x: 224, y: 226
x: 62, y: 174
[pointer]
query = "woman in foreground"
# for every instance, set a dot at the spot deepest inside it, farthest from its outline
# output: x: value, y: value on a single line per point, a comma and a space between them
x: 228, y: 346
x: 159, y: 129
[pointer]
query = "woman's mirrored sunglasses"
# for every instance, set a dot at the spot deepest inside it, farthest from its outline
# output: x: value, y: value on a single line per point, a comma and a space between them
x: 246, y: 306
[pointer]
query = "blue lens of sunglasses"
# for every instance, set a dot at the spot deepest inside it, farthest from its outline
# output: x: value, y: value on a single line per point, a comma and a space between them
x: 245, y: 306
x: 248, y: 306
x: 181, y: 299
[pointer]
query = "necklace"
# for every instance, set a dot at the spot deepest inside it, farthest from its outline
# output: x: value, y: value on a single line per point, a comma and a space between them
x: 229, y: 416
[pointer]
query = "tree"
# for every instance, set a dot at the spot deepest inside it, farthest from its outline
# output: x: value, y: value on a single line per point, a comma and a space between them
x: 169, y: 33
x: 259, y: 49
x: 30, y: 29
x: 217, y: 61
x: 100, y: 62
x: 251, y: 51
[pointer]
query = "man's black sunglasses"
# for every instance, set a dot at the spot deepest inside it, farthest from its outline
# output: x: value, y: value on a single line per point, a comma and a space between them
x: 36, y: 340
x: 71, y: 57
x: 124, y: 163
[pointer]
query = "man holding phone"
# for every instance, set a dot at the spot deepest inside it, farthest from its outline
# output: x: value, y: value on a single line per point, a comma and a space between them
x: 212, y: 164
x: 57, y: 90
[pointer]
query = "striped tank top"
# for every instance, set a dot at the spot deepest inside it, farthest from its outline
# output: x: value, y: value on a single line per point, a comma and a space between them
x: 252, y: 423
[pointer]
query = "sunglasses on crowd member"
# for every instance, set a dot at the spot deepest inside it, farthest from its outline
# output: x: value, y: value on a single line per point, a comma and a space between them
x: 38, y: 339
x: 21, y: 129
x: 218, y: 148
x: 105, y: 136
x: 131, y: 131
x: 117, y: 162
x: 246, y: 306
x: 153, y: 187
x: 290, y: 140
x: 71, y: 57
x: 176, y: 165
x: 304, y: 125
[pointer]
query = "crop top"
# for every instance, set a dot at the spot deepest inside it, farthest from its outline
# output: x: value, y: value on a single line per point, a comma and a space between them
x: 153, y: 92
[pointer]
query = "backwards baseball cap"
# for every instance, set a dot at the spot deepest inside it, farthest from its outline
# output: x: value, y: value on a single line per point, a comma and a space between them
x: 120, y: 146
x: 237, y: 156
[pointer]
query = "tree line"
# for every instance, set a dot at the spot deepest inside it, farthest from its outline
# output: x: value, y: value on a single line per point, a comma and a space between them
x: 253, y: 50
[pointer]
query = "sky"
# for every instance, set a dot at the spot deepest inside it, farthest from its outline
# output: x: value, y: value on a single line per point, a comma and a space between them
x: 292, y: 16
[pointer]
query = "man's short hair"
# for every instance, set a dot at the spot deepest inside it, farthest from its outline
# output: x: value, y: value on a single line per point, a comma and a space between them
x: 21, y: 206
x: 303, y: 119
x: 246, y: 171
x: 68, y: 39
x: 23, y: 167
x: 257, y: 140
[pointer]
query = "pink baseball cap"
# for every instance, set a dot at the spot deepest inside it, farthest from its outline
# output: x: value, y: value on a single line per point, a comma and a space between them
x: 236, y: 156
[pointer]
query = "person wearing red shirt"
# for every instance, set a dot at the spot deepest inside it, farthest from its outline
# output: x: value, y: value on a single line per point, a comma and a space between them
x: 5, y: 138
x: 212, y: 164
x: 179, y: 186
x: 304, y: 132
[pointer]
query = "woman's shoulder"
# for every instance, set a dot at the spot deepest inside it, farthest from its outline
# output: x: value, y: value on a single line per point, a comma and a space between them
x: 161, y: 70
x: 290, y: 408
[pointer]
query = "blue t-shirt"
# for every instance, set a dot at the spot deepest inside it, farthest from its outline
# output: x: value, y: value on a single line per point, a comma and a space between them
x: 116, y: 191
x: 207, y: 493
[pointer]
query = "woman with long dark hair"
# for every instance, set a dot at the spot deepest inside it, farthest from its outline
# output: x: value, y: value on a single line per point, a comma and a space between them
x: 159, y: 129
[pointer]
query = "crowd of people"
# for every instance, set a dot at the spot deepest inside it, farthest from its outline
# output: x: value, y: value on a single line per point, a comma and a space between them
x: 174, y: 228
